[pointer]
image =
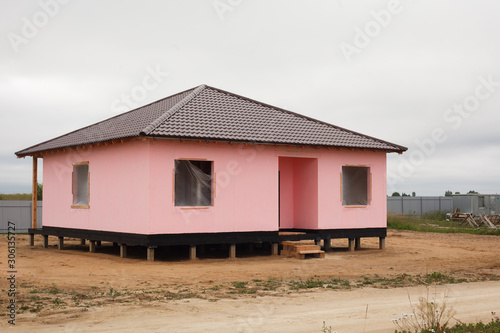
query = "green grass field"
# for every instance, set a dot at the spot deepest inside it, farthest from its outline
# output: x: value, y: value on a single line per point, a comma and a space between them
x: 435, y: 223
x: 16, y: 196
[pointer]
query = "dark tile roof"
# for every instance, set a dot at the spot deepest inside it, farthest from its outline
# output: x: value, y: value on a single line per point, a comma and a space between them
x: 208, y: 113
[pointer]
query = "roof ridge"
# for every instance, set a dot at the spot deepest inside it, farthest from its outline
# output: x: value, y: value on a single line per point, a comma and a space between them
x: 307, y: 118
x: 196, y: 91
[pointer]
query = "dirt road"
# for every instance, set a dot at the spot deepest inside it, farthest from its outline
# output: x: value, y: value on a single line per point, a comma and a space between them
x: 361, y: 310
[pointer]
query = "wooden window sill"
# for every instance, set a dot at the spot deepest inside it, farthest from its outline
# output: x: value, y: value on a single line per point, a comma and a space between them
x: 365, y: 206
x: 80, y: 206
x: 194, y: 207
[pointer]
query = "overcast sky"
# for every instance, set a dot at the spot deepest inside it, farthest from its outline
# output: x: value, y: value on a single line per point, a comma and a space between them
x: 422, y: 74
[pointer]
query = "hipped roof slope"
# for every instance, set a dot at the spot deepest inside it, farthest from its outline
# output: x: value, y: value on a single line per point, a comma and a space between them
x: 207, y: 113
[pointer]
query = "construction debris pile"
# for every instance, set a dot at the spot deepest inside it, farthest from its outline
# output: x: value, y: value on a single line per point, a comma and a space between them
x: 476, y: 221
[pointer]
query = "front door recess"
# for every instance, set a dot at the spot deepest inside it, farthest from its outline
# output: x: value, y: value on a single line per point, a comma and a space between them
x: 298, y: 193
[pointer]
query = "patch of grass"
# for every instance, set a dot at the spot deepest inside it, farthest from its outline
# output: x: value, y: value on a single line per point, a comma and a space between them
x: 242, y: 288
x: 308, y: 284
x: 38, y: 308
x: 336, y: 283
x: 492, y: 327
x: 114, y: 293
x: 179, y: 295
x: 434, y: 223
x: 404, y: 280
x: 370, y: 281
x: 34, y: 298
x: 271, y: 284
x: 333, y: 283
x: 247, y: 291
x: 79, y: 296
x: 440, y: 278
x: 398, y: 281
x: 54, y: 290
x: 57, y: 301
x: 436, y: 216
x: 240, y: 284
x: 217, y: 287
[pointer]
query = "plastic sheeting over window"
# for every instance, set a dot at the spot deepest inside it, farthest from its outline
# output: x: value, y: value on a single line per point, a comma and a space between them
x: 355, y: 186
x: 81, y: 185
x: 193, y: 183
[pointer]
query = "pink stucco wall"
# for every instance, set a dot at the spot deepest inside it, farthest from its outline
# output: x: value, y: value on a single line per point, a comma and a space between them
x: 331, y: 212
x: 119, y: 189
x: 131, y: 188
x: 242, y: 200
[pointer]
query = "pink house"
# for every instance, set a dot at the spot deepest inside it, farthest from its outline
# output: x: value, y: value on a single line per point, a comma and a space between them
x: 206, y: 166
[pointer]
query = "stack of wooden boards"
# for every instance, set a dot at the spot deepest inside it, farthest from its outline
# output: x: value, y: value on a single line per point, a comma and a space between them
x: 475, y: 221
x: 302, y: 249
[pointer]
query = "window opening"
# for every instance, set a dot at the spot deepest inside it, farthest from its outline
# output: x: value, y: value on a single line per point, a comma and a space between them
x: 481, y: 201
x: 355, y: 185
x: 81, y: 185
x: 193, y: 183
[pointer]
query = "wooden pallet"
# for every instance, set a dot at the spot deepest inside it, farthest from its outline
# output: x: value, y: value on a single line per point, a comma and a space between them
x: 462, y: 218
x: 494, y: 218
x: 468, y: 218
x: 485, y: 219
x: 475, y: 221
x: 301, y: 250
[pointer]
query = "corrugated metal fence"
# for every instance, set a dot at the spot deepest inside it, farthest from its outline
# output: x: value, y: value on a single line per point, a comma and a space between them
x: 419, y: 205
x: 18, y: 212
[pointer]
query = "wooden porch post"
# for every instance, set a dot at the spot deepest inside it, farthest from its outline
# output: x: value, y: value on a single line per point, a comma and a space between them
x: 34, y: 194
x: 351, y: 244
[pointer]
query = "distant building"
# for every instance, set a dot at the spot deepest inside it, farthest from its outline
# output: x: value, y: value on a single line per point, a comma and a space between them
x: 477, y: 203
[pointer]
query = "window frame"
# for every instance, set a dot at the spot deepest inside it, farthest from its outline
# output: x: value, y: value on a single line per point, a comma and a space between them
x: 212, y: 184
x: 368, y: 186
x: 481, y: 200
x: 74, y: 186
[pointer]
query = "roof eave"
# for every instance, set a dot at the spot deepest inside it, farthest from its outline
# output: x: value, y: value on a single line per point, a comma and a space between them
x: 397, y: 149
x: 28, y: 152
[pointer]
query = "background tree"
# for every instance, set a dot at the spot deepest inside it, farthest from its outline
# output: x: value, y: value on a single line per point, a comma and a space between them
x: 396, y: 194
x: 405, y: 195
x: 413, y: 194
x: 448, y: 193
x: 457, y: 192
x: 472, y: 192
x: 39, y: 192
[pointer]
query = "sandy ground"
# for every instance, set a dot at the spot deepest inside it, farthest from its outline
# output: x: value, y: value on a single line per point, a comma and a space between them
x: 360, y: 310
x: 76, y: 291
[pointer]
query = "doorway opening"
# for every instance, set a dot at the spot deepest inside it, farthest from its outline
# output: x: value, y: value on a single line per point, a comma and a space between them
x: 298, y: 193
